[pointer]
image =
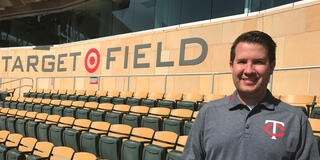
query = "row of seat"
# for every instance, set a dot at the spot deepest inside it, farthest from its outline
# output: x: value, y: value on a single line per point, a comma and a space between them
x: 16, y: 147
x: 157, y: 118
x: 100, y: 138
x: 192, y: 101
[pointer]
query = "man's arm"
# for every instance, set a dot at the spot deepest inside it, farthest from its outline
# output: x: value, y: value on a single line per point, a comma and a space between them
x: 308, y: 148
x: 194, y: 149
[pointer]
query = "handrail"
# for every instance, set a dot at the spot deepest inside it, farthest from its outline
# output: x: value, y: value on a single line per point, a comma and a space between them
x: 176, y: 74
x: 20, y: 83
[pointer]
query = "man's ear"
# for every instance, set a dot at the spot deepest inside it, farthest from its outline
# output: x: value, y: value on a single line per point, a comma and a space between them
x: 272, y: 66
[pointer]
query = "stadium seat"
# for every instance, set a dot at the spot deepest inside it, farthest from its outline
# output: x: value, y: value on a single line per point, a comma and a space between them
x: 71, y: 111
x: 84, y: 156
x: 176, y: 120
x: 110, y: 145
x: 12, y: 141
x: 45, y: 103
x: 3, y: 136
x: 43, y: 128
x: 61, y: 153
x: 57, y: 95
x: 14, y: 102
x: 123, y: 97
x: 7, y: 101
x: 78, y: 93
x: 26, y: 146
x: 102, y: 110
x: 303, y: 102
x: 115, y: 117
x: 176, y: 154
x: 21, y: 103
x: 83, y: 113
x: 71, y: 137
x: 70, y: 92
x: 155, y: 118
x: 31, y: 125
x: 49, y: 94
x: 42, y: 150
x: 4, y: 117
x: 152, y: 99
x: 137, y: 98
x: 315, y: 112
x: 39, y: 106
x: 132, y: 148
x: 109, y: 98
x: 188, y: 124
x: 89, y: 141
x: 47, y: 108
x: 99, y: 94
x: 29, y: 105
x: 33, y: 93
x: 133, y: 118
x: 58, y: 110
x: 27, y: 94
x: 21, y: 123
x: 162, y: 141
x: 190, y: 101
x: 11, y: 121
x: 210, y: 97
x: 170, y: 100
x: 45, y: 91
x: 55, y: 132
x: 89, y: 93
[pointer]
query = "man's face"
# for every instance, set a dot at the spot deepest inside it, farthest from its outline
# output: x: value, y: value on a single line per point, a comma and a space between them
x: 251, y: 68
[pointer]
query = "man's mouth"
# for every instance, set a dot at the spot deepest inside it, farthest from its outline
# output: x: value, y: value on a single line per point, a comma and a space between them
x: 249, y: 81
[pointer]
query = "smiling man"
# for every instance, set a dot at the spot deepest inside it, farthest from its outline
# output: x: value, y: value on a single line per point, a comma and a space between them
x: 251, y: 124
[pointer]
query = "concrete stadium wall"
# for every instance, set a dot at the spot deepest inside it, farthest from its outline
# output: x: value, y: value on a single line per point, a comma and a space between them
x: 191, y: 48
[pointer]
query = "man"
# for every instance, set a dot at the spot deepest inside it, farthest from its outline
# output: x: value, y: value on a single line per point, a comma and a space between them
x: 251, y: 124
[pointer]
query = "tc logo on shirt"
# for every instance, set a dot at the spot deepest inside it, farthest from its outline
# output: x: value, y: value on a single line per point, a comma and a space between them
x: 275, y: 132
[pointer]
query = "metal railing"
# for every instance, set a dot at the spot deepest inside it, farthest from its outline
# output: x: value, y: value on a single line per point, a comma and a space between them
x: 213, y: 74
x: 20, y: 86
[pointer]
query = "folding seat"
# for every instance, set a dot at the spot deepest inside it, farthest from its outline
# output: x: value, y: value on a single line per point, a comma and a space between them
x: 42, y: 150
x: 176, y: 154
x: 77, y: 94
x: 89, y: 93
x: 49, y: 94
x: 55, y: 132
x: 110, y: 145
x: 29, y: 106
x: 83, y: 113
x: 83, y: 156
x: 71, y: 137
x: 98, y: 95
x: 38, y: 91
x: 89, y: 140
x: 133, y: 118
x: 26, y: 146
x: 123, y: 97
x: 5, y: 114
x: 31, y: 125
x: 45, y: 91
x: 109, y: 98
x: 14, y: 102
x: 12, y: 120
x: 31, y: 91
x: 40, y: 107
x: 155, y: 118
x: 47, y: 108
x: 21, y: 122
x: 3, y: 93
x: 102, y: 110
x: 57, y: 95
x: 115, y: 117
x: 43, y: 128
x: 315, y: 112
x: 303, y: 102
x: 190, y: 101
x: 210, y: 97
x: 188, y: 124
x: 161, y: 143
x: 61, y: 153
x: 58, y: 110
x: 176, y: 120
x: 137, y: 98
x: 152, y: 100
x: 131, y: 149
x: 3, y: 136
x: 12, y: 141
x: 7, y: 101
x: 170, y: 100
x: 21, y: 103
x: 71, y: 111
x: 315, y: 125
x: 70, y: 92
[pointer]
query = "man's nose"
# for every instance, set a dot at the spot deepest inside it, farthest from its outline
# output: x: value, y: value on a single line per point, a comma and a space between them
x: 249, y: 69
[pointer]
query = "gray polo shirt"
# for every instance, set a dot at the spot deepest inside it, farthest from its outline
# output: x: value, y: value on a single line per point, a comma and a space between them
x: 273, y: 130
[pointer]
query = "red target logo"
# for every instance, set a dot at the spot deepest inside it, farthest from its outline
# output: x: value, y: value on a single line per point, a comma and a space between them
x: 92, y: 60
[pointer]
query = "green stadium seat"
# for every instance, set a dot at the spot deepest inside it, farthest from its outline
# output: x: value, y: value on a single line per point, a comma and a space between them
x: 190, y: 101
x: 21, y: 122
x: 115, y: 117
x: 155, y: 118
x: 71, y: 137
x: 176, y: 154
x: 123, y: 97
x: 43, y: 128
x: 26, y: 146
x: 176, y: 120
x: 170, y: 100
x: 55, y: 132
x: 152, y: 99
x: 31, y: 125
x: 133, y: 118
x: 137, y: 98
x: 71, y: 111
x: 11, y: 121
x: 102, y: 110
x: 58, y: 110
x: 83, y: 113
